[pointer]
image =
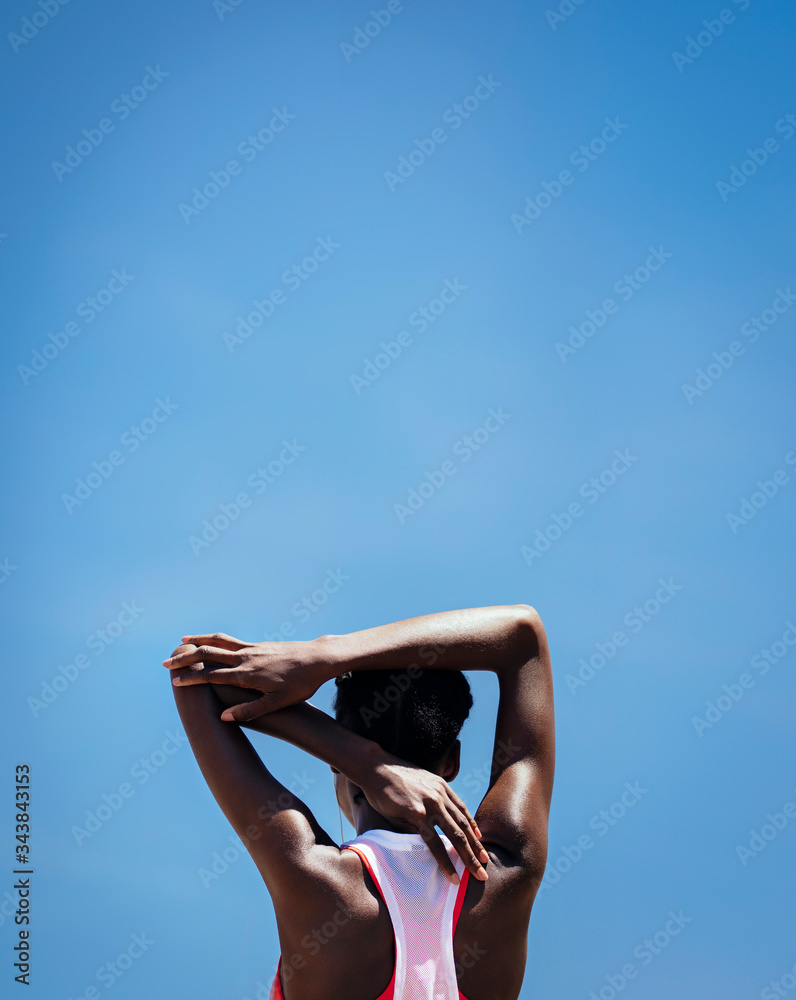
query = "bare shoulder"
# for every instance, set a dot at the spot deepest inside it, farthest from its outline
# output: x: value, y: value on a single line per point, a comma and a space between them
x: 330, y: 884
x: 338, y: 921
x: 490, y: 944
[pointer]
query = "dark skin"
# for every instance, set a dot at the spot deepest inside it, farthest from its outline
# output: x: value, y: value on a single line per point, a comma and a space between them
x: 316, y: 886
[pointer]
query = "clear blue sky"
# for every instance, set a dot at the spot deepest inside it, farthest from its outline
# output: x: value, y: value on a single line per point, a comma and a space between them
x: 508, y: 234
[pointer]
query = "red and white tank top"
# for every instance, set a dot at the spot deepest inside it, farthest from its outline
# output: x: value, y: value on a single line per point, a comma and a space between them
x: 424, y: 907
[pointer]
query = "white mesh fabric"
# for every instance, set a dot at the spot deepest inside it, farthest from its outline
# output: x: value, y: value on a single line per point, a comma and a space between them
x: 420, y: 900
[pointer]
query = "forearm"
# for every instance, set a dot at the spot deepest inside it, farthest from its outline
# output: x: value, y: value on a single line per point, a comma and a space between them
x: 313, y: 731
x: 495, y: 638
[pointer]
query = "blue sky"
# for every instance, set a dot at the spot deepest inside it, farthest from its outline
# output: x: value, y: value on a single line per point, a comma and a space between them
x: 166, y: 422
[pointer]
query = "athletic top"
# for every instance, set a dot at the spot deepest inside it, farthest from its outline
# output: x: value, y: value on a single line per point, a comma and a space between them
x: 424, y: 907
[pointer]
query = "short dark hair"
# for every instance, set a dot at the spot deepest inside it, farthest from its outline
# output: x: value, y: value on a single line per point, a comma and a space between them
x: 415, y: 714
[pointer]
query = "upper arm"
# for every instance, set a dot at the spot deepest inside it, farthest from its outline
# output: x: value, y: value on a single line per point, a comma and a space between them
x: 514, y: 812
x: 278, y: 829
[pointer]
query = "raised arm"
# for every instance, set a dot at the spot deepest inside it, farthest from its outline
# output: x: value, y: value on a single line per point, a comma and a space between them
x: 510, y: 640
x: 410, y: 797
x: 278, y: 829
x: 507, y: 639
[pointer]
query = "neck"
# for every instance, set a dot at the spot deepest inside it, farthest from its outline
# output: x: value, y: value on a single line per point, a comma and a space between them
x: 369, y: 819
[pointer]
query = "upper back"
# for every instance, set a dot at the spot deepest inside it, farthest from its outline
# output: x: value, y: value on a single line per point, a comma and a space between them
x: 383, y: 917
x: 422, y: 905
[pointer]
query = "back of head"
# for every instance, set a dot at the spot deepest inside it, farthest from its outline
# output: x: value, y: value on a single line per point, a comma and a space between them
x: 415, y: 714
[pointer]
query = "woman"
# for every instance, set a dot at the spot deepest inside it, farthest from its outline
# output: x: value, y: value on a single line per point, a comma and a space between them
x: 392, y: 914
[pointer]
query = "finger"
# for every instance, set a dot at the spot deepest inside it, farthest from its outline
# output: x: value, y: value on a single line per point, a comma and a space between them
x: 437, y: 848
x: 219, y: 639
x: 211, y: 674
x: 468, y: 824
x: 463, y: 808
x: 466, y: 827
x: 201, y: 654
x: 247, y: 711
x: 461, y: 843
x: 184, y: 648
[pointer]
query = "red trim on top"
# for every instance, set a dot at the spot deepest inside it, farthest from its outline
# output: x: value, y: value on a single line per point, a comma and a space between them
x: 389, y: 993
x: 278, y: 994
x: 457, y: 909
x: 460, y: 897
x: 366, y: 863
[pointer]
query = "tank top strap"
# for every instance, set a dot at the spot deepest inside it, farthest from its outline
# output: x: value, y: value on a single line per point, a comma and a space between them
x: 389, y: 993
x: 422, y: 903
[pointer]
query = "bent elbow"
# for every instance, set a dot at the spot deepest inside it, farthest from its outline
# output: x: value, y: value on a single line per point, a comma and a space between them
x: 529, y: 629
